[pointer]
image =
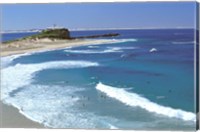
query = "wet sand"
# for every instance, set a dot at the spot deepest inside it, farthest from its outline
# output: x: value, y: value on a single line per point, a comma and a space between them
x: 12, y: 118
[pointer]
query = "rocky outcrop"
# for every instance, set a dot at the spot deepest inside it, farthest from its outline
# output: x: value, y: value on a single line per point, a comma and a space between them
x: 100, y: 35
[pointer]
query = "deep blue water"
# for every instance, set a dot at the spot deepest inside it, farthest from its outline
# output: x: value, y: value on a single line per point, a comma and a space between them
x: 145, y: 81
x: 13, y: 36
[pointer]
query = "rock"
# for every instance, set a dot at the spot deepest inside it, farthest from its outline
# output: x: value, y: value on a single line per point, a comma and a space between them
x: 100, y: 35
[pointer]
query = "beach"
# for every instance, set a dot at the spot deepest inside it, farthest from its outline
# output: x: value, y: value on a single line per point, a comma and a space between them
x: 27, y: 46
x: 11, y: 118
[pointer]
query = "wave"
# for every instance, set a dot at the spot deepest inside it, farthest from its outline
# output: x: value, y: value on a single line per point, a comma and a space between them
x: 55, y: 106
x: 125, y: 40
x: 120, y: 40
x: 93, y: 51
x: 5, y: 61
x: 20, y: 75
x: 153, y: 50
x: 107, y: 50
x: 112, y: 41
x: 135, y: 100
x: 51, y: 105
x: 89, y: 51
x: 93, y: 46
x: 112, y: 127
x: 122, y: 48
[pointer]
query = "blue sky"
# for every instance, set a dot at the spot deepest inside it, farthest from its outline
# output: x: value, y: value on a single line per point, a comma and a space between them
x: 99, y: 15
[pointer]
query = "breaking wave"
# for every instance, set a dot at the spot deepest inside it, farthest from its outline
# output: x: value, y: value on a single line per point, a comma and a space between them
x: 135, y: 100
x: 107, y: 50
x: 20, y: 75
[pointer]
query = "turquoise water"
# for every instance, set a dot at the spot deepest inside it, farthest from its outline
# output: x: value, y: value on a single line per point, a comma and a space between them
x: 143, y: 81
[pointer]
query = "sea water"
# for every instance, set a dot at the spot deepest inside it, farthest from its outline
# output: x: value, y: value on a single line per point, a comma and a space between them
x: 144, y: 80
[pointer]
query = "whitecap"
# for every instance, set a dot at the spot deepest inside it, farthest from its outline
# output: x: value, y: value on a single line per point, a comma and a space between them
x: 112, y: 127
x: 135, y: 100
x: 107, y: 50
x: 20, y: 75
x: 93, y: 51
x: 7, y: 60
x: 93, y: 46
x: 120, y: 40
x: 153, y: 50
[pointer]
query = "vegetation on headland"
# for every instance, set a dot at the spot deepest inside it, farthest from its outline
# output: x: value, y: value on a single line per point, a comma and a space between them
x: 61, y: 34
x: 52, y: 34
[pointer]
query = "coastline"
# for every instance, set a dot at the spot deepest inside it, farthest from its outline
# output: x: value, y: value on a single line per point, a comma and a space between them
x: 12, y: 118
x: 28, y: 46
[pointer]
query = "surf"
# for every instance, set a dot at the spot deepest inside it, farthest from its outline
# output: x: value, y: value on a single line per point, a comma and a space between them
x: 135, y: 100
x: 106, y: 50
x: 20, y: 75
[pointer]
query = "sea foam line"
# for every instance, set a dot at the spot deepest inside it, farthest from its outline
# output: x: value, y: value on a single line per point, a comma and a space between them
x: 93, y: 51
x: 107, y: 50
x: 20, y: 75
x: 135, y: 100
x: 109, y: 41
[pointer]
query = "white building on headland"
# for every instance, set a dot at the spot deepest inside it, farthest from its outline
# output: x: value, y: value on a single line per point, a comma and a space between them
x: 54, y: 27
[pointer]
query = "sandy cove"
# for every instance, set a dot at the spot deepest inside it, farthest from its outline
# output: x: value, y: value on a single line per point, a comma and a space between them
x: 27, y: 46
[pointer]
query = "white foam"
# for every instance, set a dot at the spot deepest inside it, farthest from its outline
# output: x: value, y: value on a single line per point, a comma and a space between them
x: 53, y: 106
x: 40, y: 103
x: 135, y: 100
x: 113, y: 41
x: 20, y: 75
x: 125, y: 40
x: 5, y: 61
x: 112, y: 127
x: 119, y: 40
x: 153, y: 50
x: 122, y: 48
x: 93, y: 46
x: 107, y: 50
x: 93, y: 51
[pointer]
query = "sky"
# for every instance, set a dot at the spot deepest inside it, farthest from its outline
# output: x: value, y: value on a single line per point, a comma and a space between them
x: 99, y: 15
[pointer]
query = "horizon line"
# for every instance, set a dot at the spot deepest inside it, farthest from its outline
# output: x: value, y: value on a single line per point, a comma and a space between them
x: 93, y: 29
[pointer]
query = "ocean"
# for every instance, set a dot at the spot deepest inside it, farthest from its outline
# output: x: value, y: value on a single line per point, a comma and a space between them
x: 142, y: 81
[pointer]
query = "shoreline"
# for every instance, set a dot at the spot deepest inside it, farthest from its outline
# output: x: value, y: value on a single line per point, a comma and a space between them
x: 10, y: 115
x: 23, y: 47
x: 12, y: 118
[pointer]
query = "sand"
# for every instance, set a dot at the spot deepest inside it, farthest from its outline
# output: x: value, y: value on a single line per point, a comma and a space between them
x: 26, y: 46
x: 10, y: 116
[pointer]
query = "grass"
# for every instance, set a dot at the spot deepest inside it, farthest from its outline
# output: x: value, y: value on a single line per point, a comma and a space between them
x: 49, y: 33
